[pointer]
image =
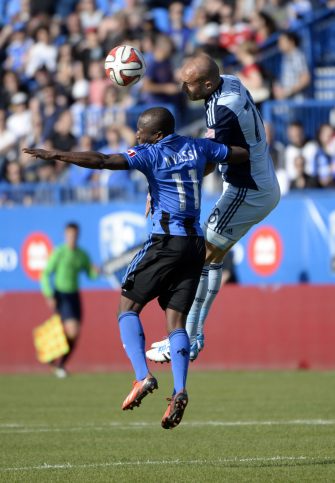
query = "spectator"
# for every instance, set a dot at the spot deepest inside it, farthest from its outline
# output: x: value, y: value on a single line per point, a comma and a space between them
x: 118, y: 141
x: 41, y: 53
x: 87, y: 118
x: 324, y: 160
x: 9, y: 86
x: 74, y: 31
x: 98, y: 82
x: 77, y: 176
x: 46, y: 172
x: 48, y: 110
x: 294, y: 77
x: 19, y: 121
x: 232, y: 33
x: 277, y: 151
x: 7, y: 142
x: 13, y: 173
x: 251, y: 73
x: 178, y: 30
x: 89, y: 49
x: 263, y: 26
x: 90, y: 17
x: 297, y: 145
x: 61, y: 137
x: 17, y: 50
x: 159, y: 85
x: 302, y: 180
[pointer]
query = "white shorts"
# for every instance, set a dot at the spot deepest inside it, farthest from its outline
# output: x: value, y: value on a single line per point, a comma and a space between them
x: 237, y: 210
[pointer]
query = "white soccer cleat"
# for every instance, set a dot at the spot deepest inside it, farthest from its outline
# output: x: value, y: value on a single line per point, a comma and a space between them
x: 60, y: 373
x: 159, y: 352
x: 159, y: 343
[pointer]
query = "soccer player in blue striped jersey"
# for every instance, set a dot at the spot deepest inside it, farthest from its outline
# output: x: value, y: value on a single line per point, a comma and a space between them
x: 170, y: 263
x: 250, y: 188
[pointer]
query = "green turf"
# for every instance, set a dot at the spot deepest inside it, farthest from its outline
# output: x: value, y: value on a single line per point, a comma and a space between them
x: 73, y: 430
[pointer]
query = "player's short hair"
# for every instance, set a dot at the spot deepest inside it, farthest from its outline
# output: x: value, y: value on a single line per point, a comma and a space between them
x: 72, y: 225
x: 160, y: 118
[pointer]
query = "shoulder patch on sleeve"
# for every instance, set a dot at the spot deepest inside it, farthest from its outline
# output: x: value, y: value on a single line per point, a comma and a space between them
x: 131, y: 152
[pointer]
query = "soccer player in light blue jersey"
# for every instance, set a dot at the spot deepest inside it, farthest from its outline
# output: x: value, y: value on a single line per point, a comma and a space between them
x: 250, y: 188
x: 169, y: 265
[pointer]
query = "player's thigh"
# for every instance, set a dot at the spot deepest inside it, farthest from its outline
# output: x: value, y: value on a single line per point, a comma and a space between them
x: 68, y: 305
x: 182, y: 284
x: 147, y: 272
x: 71, y: 328
x: 237, y: 210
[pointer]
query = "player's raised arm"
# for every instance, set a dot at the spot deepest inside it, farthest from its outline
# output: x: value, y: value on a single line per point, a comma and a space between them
x: 85, y: 159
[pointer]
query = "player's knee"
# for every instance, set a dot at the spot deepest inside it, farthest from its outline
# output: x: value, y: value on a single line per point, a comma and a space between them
x: 71, y: 329
x: 127, y: 305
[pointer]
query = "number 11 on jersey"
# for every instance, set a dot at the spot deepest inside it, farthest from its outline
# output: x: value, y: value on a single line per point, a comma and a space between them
x: 181, y: 189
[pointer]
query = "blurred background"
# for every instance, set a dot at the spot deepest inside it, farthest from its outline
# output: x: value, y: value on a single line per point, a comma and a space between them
x: 277, y: 308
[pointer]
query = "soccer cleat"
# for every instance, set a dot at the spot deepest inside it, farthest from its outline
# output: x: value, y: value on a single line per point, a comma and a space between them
x: 175, y: 410
x: 194, y: 351
x: 200, y: 341
x: 159, y: 353
x: 157, y: 344
x: 60, y: 372
x: 139, y: 391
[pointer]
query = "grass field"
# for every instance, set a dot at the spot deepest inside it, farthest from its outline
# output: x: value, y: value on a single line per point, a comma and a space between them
x: 238, y: 427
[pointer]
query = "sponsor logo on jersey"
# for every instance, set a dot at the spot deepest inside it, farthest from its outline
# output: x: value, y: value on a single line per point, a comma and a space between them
x: 131, y: 152
x: 210, y: 133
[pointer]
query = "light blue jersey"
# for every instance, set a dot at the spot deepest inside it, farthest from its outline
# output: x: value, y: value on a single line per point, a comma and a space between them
x: 232, y: 117
x: 174, y: 168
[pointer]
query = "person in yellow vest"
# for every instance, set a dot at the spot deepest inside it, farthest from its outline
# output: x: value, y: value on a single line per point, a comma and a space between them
x: 60, y: 286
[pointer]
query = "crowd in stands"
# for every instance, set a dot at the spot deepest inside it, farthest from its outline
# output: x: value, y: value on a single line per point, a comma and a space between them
x: 54, y: 93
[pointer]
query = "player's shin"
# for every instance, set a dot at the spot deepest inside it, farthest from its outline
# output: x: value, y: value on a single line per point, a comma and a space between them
x: 214, y: 284
x: 133, y: 340
x: 180, y: 356
x: 194, y: 313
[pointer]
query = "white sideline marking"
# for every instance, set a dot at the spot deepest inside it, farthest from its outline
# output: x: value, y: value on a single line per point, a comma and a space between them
x: 220, y: 461
x: 21, y: 428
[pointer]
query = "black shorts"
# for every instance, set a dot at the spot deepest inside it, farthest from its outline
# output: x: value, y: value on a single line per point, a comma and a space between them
x: 167, y: 267
x: 68, y: 305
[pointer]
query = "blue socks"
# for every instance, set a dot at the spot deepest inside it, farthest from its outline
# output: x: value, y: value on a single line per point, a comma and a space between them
x: 194, y: 313
x: 180, y: 357
x: 133, y: 340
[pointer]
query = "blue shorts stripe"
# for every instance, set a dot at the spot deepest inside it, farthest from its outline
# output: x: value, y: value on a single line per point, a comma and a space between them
x: 137, y: 258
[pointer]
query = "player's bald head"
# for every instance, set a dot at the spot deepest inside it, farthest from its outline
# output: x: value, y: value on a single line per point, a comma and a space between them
x: 154, y: 124
x: 158, y: 119
x: 200, y: 76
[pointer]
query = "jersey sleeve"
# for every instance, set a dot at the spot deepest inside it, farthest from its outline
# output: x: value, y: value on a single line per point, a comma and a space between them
x: 214, y: 152
x: 87, y: 266
x: 138, y: 157
x: 49, y: 270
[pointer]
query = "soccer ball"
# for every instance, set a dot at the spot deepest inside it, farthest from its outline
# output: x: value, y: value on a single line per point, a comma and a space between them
x: 124, y: 65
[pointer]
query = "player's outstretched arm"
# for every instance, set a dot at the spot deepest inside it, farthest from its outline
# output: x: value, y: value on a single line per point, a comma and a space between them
x: 86, y: 159
x: 237, y: 155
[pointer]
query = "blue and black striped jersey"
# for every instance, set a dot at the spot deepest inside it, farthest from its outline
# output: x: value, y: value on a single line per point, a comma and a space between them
x: 175, y: 168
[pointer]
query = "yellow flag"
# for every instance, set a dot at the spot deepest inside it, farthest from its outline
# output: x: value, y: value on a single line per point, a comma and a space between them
x: 49, y: 340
